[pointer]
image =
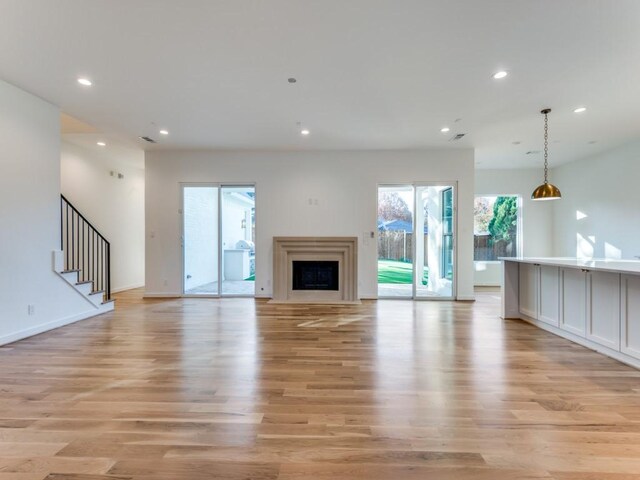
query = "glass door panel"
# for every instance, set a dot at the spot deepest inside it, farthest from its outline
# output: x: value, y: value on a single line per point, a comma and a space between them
x: 395, y: 241
x: 435, y: 215
x: 200, y: 240
x: 238, y: 240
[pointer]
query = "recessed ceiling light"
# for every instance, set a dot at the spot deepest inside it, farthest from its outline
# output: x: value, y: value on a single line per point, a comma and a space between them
x: 85, y: 81
x: 291, y: 80
x: 445, y: 129
x: 517, y: 142
x: 304, y: 132
x: 500, y: 74
x: 580, y: 110
x: 164, y: 132
x: 101, y: 144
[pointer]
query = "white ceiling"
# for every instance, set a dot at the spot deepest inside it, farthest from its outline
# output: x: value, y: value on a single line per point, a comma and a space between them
x: 372, y: 74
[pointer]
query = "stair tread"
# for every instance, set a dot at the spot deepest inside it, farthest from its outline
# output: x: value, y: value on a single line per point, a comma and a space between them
x: 69, y: 271
x: 84, y: 282
x: 95, y: 292
x: 109, y: 301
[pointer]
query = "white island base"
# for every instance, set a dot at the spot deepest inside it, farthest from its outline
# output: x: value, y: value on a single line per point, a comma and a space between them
x: 595, y: 303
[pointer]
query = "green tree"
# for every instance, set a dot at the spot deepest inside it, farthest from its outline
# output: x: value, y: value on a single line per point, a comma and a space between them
x: 504, y: 224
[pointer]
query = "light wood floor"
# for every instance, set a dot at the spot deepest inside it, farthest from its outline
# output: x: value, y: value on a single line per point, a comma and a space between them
x: 235, y: 389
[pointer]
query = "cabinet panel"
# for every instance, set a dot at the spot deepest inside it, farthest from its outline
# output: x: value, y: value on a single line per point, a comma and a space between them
x: 573, y: 301
x: 603, y: 309
x: 529, y: 290
x: 630, y: 310
x: 549, y: 310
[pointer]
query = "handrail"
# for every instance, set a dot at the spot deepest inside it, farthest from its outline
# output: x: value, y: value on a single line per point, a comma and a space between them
x: 85, y: 249
x: 83, y: 217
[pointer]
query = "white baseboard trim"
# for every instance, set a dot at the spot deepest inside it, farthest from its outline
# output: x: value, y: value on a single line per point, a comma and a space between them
x: 161, y: 295
x: 45, y: 327
x: 128, y: 287
x: 466, y: 298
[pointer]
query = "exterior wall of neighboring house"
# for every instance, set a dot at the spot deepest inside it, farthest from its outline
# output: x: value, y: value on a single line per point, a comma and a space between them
x: 236, y: 219
x: 200, y: 209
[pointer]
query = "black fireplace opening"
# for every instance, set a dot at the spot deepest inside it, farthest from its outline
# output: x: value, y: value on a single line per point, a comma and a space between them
x: 315, y: 275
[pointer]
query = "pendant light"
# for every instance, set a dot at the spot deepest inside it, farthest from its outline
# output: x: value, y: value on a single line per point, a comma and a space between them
x: 546, y: 191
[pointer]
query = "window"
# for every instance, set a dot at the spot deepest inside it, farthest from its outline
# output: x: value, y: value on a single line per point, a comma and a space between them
x: 447, y: 234
x: 496, y: 229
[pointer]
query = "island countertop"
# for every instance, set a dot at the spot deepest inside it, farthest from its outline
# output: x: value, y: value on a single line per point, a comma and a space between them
x: 599, y: 264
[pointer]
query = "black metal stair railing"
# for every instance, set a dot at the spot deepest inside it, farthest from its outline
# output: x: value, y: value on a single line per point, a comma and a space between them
x: 85, y: 249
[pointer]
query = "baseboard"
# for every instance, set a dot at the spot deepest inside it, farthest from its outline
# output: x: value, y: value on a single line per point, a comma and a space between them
x: 466, y: 298
x: 45, y: 327
x: 129, y: 287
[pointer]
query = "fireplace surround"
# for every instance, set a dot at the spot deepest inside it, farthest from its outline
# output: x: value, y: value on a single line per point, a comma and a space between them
x: 320, y: 254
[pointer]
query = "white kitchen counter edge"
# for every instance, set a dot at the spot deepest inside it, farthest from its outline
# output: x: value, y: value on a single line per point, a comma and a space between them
x: 600, y: 264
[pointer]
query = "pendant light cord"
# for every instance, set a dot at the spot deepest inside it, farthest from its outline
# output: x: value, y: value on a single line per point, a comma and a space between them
x: 546, y: 148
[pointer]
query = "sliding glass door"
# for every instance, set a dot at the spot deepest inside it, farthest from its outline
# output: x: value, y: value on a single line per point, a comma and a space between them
x: 434, y: 246
x: 200, y: 240
x: 218, y: 235
x: 238, y: 207
x: 395, y: 241
x: 416, y: 232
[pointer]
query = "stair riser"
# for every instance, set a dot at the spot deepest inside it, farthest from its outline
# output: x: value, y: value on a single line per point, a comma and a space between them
x: 71, y: 277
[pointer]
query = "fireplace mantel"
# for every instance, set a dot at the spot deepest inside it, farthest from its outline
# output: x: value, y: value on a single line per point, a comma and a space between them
x: 286, y: 250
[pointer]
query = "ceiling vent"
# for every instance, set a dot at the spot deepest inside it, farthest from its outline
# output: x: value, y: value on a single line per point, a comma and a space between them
x: 148, y: 139
x: 457, y: 136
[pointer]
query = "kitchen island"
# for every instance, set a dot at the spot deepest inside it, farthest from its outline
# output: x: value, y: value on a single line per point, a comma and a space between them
x: 595, y: 303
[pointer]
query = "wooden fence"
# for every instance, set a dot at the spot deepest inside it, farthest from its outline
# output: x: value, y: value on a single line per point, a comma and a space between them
x: 397, y: 245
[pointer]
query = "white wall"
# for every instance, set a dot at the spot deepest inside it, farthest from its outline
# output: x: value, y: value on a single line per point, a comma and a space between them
x: 537, y: 217
x: 200, y: 236
x: 343, y: 183
x: 30, y: 216
x: 599, y: 214
x: 114, y: 206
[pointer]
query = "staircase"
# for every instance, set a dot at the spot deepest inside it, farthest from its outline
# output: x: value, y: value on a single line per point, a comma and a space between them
x: 84, y: 259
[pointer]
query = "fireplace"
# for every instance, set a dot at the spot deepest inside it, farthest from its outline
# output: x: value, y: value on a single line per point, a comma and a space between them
x: 315, y: 270
x: 316, y: 275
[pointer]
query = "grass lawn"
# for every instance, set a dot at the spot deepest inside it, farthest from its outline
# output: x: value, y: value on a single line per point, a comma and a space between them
x: 393, y: 271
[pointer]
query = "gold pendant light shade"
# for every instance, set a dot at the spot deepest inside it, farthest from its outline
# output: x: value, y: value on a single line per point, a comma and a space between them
x: 546, y: 191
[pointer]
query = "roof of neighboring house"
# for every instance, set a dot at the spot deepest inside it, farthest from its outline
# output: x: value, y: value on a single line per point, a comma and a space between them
x: 397, y: 226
